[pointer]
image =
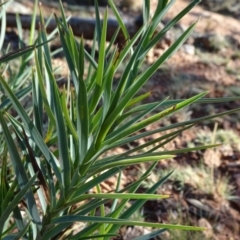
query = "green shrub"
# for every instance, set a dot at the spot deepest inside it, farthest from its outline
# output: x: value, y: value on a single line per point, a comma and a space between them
x: 53, y: 152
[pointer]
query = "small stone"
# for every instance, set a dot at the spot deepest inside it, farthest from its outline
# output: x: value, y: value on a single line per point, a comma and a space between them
x: 189, y: 49
x: 208, y: 233
x: 19, y: 8
x: 134, y: 5
x: 212, y: 158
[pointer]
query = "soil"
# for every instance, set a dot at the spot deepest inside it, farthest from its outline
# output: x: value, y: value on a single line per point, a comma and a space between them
x: 205, y: 187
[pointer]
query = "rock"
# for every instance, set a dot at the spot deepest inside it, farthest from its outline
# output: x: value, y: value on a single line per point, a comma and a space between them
x: 212, y: 158
x: 198, y: 204
x: 167, y: 40
x: 190, y: 40
x: 203, y: 222
x: 15, y: 7
x: 189, y: 49
x: 133, y: 232
x: 134, y: 5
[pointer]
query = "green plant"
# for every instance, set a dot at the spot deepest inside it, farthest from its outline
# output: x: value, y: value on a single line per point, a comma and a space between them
x: 54, y: 152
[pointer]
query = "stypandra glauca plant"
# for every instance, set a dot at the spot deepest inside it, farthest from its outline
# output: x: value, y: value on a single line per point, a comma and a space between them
x: 57, y: 150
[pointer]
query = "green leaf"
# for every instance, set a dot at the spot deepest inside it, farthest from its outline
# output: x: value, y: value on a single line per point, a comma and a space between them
x: 65, y: 41
x: 159, y: 36
x: 21, y: 177
x: 150, y: 235
x: 119, y: 19
x: 139, y: 203
x: 99, y: 236
x: 3, y: 18
x: 76, y: 218
x: 67, y: 118
x: 45, y: 98
x: 138, y: 84
x: 21, y: 52
x: 100, y: 69
x: 31, y: 129
x: 152, y: 119
x: 20, y: 234
x: 146, y: 11
x: 161, y: 6
x: 19, y: 93
x: 129, y: 161
x: 121, y: 130
x: 61, y: 132
x: 82, y: 111
x: 33, y: 23
x: 148, y: 143
x: 16, y: 200
x: 43, y: 35
x: 83, y: 188
x: 37, y: 105
x: 117, y: 196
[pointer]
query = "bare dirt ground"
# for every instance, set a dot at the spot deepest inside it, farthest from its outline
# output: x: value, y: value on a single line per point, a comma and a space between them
x: 205, y: 187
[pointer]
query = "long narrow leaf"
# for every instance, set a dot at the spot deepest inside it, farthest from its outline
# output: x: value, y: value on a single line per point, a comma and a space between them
x: 20, y: 174
x: 138, y: 203
x: 3, y: 24
x: 130, y: 161
x: 20, y: 52
x: 118, y: 196
x: 100, y: 69
x: 156, y: 117
x: 73, y: 218
x: 119, y: 19
x: 118, y: 211
x: 31, y: 128
x: 82, y: 110
x: 18, y: 197
x: 61, y: 132
x: 150, y: 235
x: 139, y: 83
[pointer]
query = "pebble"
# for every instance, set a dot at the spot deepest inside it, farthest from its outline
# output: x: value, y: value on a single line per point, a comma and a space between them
x: 15, y: 7
x: 203, y: 222
x: 189, y: 49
